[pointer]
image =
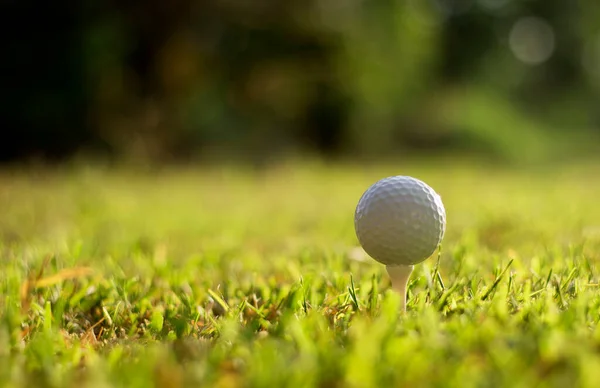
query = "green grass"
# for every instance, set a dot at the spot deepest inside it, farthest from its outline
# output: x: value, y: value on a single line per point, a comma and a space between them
x: 230, y: 277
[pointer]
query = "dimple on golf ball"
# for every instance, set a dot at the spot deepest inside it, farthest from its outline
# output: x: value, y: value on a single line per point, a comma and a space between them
x: 400, y: 220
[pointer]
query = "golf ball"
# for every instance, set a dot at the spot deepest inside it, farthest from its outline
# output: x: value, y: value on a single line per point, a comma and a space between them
x: 400, y: 220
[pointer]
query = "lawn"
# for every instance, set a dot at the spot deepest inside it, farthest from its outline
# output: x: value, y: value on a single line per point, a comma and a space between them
x: 235, y: 277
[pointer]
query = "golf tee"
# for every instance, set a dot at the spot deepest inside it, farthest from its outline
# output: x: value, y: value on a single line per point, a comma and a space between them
x: 399, y: 275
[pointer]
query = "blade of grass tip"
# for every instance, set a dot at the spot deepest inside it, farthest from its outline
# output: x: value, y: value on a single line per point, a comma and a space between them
x: 536, y: 292
x: 219, y: 300
x: 304, y: 296
x: 446, y: 294
x: 107, y: 316
x: 374, y: 294
x: 548, y: 278
x: 436, y: 272
x: 243, y: 305
x: 498, y: 279
x: 214, y: 323
x: 589, y: 267
x: 261, y: 315
x: 288, y: 299
x: 558, y: 289
x: 570, y: 277
x: 352, y: 291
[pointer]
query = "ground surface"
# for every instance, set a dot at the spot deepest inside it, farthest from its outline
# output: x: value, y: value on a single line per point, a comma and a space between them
x: 235, y: 278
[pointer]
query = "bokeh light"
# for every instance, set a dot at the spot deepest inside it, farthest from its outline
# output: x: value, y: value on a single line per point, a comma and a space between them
x: 532, y: 40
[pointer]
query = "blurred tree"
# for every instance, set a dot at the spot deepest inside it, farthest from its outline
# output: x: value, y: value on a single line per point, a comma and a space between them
x: 163, y: 80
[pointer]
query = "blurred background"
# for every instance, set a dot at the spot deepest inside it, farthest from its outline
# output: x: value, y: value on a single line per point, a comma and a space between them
x: 513, y: 81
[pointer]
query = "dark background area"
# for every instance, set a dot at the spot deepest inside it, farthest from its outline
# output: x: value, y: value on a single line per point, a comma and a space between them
x: 255, y: 80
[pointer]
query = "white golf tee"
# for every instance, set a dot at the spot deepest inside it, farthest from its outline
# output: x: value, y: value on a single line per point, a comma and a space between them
x: 399, y: 275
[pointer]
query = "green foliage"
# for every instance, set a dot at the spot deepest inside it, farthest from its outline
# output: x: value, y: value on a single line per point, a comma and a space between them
x: 212, y: 79
x: 231, y: 277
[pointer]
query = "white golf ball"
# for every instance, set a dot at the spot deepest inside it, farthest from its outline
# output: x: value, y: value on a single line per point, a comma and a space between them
x: 400, y: 220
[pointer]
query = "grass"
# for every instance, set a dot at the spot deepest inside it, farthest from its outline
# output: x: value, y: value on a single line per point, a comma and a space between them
x: 230, y: 277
